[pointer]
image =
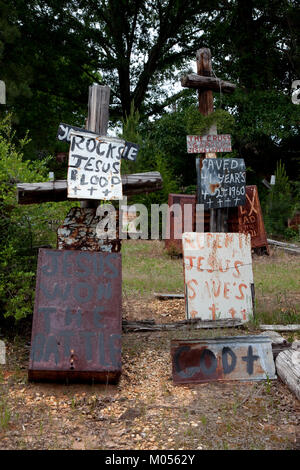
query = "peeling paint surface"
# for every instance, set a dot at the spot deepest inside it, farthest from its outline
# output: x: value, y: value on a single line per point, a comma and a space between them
x: 218, y: 275
x: 214, y: 359
x: 76, y: 331
x: 79, y: 231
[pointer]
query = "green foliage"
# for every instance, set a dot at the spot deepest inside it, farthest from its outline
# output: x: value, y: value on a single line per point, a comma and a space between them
x: 197, y: 124
x: 280, y: 204
x: 22, y: 228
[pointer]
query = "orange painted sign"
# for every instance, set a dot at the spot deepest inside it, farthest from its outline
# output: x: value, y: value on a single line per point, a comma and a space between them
x: 218, y: 275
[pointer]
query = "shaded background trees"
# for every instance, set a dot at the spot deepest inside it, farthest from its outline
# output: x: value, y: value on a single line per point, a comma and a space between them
x: 51, y: 51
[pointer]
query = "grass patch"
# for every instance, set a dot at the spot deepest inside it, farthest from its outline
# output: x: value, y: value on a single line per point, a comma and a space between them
x: 147, y: 268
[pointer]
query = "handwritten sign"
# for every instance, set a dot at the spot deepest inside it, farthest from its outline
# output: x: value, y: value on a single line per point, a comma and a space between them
x: 208, y: 143
x: 76, y: 328
x: 218, y: 275
x: 214, y: 359
x: 94, y: 168
x: 129, y: 152
x: 223, y: 182
x: 250, y: 219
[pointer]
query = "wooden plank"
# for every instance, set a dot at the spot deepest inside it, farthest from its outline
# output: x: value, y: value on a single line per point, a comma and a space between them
x: 98, y: 109
x: 207, y: 83
x: 288, y: 247
x: 279, y: 327
x: 192, y: 324
x: 288, y: 367
x: 36, y: 193
x: 218, y: 275
x: 161, y: 296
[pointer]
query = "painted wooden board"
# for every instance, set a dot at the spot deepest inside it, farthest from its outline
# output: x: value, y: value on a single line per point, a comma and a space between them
x: 65, y: 131
x: 208, y: 143
x: 229, y: 358
x: 218, y: 275
x: 77, y: 324
x: 94, y: 168
x: 223, y: 182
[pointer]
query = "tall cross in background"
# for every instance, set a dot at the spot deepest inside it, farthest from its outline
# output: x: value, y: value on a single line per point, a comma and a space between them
x: 205, y: 83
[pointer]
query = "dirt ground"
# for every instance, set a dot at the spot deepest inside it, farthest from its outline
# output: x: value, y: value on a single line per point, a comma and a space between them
x: 145, y: 410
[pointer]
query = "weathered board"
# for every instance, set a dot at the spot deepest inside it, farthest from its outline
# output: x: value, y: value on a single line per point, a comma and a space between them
x: 223, y: 182
x: 77, y: 324
x: 250, y: 219
x: 36, y: 193
x: 218, y: 275
x: 65, y: 131
x: 94, y: 168
x: 244, y: 358
x: 208, y: 143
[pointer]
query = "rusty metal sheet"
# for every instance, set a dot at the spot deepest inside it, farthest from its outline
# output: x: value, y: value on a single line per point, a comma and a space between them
x: 218, y: 275
x: 76, y: 331
x: 244, y: 358
x: 251, y: 219
x: 209, y: 143
x: 79, y: 231
x: 235, y: 220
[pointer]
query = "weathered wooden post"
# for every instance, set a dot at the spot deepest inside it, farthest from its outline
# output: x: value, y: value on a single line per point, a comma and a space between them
x: 205, y: 83
x: 97, y: 120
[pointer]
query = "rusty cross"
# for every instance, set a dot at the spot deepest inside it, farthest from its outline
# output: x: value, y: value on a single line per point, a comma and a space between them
x: 205, y: 83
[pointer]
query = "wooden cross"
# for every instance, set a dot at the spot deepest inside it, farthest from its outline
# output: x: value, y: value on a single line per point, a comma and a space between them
x: 205, y: 83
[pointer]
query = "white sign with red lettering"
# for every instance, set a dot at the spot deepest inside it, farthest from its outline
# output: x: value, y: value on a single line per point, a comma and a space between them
x: 208, y: 143
x: 218, y: 275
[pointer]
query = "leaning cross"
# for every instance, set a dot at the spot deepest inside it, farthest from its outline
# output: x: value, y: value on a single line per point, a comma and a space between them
x: 205, y: 83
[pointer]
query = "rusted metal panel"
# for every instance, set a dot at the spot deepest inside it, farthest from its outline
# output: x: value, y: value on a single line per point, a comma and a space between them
x: 250, y: 219
x: 208, y: 143
x: 223, y: 182
x: 176, y: 224
x: 244, y: 358
x: 218, y: 275
x: 79, y: 231
x: 77, y: 323
x: 255, y: 227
